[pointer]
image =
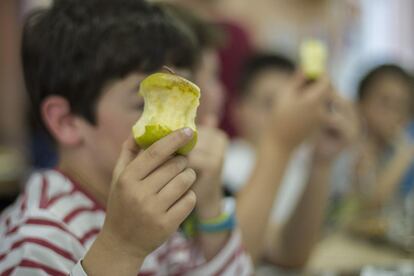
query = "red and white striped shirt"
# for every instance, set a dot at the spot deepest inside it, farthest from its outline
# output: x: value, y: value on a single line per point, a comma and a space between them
x: 52, y: 224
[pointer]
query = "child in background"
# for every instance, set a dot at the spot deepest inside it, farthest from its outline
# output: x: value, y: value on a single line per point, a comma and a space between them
x: 373, y: 181
x: 385, y: 103
x: 251, y: 169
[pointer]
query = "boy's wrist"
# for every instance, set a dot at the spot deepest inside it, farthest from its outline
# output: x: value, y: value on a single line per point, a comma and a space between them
x: 321, y: 168
x: 270, y: 145
x: 210, y: 209
x: 224, y: 222
x: 320, y: 161
x: 108, y: 255
x: 322, y: 164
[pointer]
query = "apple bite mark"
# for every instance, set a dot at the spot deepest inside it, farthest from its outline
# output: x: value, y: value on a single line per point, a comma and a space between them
x: 170, y: 103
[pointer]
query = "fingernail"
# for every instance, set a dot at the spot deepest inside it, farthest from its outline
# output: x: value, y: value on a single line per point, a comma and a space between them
x: 188, y: 131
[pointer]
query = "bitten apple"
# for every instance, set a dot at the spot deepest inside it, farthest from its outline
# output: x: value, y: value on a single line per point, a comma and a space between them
x: 170, y: 103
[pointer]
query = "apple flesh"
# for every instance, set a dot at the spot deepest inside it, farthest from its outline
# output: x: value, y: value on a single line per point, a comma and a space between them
x: 170, y: 103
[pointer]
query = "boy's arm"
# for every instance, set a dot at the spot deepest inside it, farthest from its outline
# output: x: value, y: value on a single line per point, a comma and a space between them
x: 298, y: 112
x: 291, y: 245
x: 255, y: 200
x: 207, y: 160
x: 212, y: 243
x: 108, y: 257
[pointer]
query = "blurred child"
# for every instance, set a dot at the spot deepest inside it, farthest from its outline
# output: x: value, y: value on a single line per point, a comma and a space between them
x: 251, y: 169
x: 373, y: 181
x: 384, y: 153
x: 97, y: 214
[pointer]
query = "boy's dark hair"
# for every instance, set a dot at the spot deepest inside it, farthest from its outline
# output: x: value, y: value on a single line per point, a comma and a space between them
x: 377, y: 73
x: 259, y: 63
x: 75, y: 47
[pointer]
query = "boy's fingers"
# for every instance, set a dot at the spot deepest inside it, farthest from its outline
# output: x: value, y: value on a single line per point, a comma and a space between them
x: 182, y: 208
x: 164, y: 174
x: 320, y: 84
x: 129, y: 151
x: 176, y: 188
x: 159, y: 152
x: 319, y: 91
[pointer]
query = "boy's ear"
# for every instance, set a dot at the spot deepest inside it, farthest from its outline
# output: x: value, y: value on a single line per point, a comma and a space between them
x: 61, y: 123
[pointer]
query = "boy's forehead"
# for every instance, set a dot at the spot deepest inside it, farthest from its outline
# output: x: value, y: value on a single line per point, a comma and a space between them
x: 268, y: 80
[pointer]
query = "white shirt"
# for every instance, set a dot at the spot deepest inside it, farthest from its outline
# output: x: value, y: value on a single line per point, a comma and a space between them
x: 238, y: 166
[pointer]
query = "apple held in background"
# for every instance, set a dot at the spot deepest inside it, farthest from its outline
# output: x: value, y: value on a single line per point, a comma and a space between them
x: 313, y: 57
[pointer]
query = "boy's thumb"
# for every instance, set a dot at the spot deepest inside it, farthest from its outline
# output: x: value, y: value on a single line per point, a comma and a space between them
x: 128, y: 153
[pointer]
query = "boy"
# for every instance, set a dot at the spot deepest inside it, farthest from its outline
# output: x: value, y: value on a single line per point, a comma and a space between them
x: 93, y: 215
x: 256, y: 156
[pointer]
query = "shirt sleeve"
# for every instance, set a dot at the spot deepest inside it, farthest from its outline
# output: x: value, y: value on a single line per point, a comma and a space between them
x: 40, y: 245
x: 78, y: 270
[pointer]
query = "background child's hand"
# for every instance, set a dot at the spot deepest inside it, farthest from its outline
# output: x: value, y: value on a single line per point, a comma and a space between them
x: 299, y: 111
x: 150, y: 196
x: 207, y: 160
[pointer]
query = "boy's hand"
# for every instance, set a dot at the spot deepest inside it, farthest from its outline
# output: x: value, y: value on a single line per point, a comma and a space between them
x: 299, y: 111
x: 207, y: 160
x: 340, y: 130
x: 150, y: 195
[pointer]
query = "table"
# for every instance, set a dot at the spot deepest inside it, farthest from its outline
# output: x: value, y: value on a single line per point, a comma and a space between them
x: 342, y: 252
